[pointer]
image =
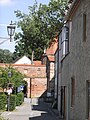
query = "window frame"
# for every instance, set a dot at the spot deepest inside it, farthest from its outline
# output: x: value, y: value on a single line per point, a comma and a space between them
x: 64, y: 41
x: 84, y: 26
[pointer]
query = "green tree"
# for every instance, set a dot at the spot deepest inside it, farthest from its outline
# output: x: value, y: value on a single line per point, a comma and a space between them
x: 16, y: 78
x: 38, y: 27
x: 3, y: 78
x: 6, y: 56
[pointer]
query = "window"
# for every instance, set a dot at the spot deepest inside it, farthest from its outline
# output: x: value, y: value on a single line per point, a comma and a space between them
x: 72, y: 91
x: 84, y: 27
x: 65, y: 41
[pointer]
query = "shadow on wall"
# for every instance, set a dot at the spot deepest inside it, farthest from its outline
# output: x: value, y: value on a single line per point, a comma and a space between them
x: 48, y: 95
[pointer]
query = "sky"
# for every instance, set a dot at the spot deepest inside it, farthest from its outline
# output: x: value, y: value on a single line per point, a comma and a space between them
x: 7, y: 8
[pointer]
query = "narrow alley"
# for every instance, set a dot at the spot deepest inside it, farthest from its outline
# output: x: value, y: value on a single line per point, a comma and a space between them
x: 32, y: 110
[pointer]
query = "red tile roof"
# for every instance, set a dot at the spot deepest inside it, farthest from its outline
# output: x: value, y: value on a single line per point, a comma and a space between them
x: 51, y: 50
x: 37, y: 62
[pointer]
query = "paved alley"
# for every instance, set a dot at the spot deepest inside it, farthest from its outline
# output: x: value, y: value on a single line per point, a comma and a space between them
x: 31, y: 110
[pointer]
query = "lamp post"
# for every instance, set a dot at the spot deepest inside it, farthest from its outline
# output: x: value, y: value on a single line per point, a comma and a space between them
x: 9, y: 75
x: 9, y: 91
x: 11, y: 30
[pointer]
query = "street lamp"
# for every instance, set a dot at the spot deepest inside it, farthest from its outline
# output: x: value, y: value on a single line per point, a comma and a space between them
x: 11, y: 30
x: 9, y: 91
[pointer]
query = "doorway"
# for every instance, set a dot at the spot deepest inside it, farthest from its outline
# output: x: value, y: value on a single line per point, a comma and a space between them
x: 63, y: 102
x: 88, y: 99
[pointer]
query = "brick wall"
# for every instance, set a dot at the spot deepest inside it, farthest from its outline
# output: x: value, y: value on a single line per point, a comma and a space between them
x: 38, y: 87
x: 36, y: 79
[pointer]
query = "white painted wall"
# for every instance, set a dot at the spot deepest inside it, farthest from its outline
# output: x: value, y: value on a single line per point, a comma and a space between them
x: 23, y: 60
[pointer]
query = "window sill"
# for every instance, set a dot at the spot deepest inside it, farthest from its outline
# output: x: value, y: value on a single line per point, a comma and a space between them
x: 65, y: 56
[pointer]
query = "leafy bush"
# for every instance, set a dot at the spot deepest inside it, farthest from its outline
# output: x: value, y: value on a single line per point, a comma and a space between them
x: 3, y: 101
x: 19, y: 98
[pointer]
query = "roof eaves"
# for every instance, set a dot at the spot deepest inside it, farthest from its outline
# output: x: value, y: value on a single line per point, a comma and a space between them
x: 31, y: 65
x: 72, y: 10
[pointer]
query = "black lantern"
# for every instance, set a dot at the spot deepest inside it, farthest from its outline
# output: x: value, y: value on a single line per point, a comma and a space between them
x: 11, y: 30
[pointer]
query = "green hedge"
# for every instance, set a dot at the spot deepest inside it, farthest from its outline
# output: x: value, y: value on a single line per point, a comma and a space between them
x: 12, y: 102
x: 3, y: 101
x: 19, y: 98
x: 2, y: 118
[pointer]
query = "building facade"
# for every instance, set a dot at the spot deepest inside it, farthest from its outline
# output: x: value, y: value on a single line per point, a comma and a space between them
x: 74, y: 68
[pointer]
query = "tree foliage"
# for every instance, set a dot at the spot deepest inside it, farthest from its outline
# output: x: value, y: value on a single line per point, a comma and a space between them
x: 16, y: 77
x: 6, y: 56
x: 38, y: 27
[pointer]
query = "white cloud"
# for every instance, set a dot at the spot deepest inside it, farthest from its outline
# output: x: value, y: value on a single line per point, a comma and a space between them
x: 6, y: 2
